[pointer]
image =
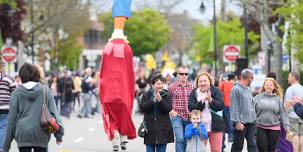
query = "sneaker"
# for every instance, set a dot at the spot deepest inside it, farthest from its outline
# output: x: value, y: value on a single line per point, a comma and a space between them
x: 123, y: 146
x: 115, y: 148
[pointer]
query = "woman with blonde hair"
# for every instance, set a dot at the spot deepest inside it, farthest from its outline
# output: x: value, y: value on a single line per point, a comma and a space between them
x: 270, y: 113
x: 42, y: 74
x: 207, y: 98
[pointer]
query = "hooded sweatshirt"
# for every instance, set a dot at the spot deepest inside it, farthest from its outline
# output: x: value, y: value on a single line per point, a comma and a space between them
x: 241, y: 106
x: 24, y: 117
x: 270, y: 111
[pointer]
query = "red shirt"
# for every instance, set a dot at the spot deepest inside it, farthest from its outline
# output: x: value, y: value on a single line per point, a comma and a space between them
x: 180, y: 95
x: 225, y: 87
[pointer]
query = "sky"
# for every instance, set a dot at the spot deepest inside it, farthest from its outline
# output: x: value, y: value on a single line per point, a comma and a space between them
x: 192, y: 6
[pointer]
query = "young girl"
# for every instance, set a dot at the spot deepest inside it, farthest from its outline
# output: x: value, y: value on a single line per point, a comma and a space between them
x: 195, y: 133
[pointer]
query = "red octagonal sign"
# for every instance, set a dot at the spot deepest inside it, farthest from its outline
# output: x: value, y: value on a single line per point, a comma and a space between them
x: 231, y: 52
x: 8, y: 54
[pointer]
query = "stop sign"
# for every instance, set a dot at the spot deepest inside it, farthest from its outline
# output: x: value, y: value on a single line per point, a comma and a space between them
x: 231, y: 53
x: 8, y: 54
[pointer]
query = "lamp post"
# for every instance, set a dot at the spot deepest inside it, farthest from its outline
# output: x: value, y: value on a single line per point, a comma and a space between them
x: 32, y: 34
x: 202, y: 7
x: 245, y: 32
x: 269, y: 52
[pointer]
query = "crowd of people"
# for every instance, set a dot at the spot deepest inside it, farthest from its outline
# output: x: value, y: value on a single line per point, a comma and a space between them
x: 189, y: 113
x: 194, y: 113
x: 22, y: 99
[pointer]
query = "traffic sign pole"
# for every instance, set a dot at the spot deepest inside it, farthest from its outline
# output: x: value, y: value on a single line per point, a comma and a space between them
x: 9, y: 55
x: 9, y: 67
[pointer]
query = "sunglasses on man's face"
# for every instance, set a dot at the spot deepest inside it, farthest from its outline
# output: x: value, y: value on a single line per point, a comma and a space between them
x: 184, y: 74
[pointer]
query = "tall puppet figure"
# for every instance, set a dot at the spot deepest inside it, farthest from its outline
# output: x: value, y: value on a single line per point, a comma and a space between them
x: 117, y: 81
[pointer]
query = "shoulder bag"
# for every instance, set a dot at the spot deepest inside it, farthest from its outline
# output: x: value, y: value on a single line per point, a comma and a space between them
x: 47, y: 121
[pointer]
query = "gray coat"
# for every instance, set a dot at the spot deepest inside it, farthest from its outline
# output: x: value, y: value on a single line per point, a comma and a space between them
x: 24, y: 118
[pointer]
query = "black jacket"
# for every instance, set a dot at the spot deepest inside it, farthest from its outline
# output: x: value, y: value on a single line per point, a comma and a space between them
x: 157, y: 118
x: 217, y: 122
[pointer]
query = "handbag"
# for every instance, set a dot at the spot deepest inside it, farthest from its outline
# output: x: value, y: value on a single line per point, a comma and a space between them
x: 142, y: 129
x: 47, y: 121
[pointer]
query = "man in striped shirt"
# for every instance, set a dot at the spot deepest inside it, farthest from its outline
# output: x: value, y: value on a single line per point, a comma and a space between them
x: 7, y: 86
x: 180, y: 91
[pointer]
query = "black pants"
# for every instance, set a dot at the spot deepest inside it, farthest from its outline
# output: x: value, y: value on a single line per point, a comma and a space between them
x: 249, y: 133
x: 29, y: 149
x: 267, y: 139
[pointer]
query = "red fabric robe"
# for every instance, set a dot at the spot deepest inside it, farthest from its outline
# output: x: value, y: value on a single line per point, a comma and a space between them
x: 117, y: 89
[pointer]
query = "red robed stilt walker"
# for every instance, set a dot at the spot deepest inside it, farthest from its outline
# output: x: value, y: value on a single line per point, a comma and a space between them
x: 117, y: 89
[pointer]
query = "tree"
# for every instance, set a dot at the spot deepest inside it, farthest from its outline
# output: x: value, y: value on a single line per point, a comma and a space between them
x: 263, y: 13
x: 69, y: 52
x: 147, y: 31
x: 49, y: 18
x: 292, y: 11
x: 11, y: 15
x: 11, y: 3
x: 230, y: 32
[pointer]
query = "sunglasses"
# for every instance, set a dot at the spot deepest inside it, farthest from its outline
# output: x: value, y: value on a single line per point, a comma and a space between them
x: 185, y: 74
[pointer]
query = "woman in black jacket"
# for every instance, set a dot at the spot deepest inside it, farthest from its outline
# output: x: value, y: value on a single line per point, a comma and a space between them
x: 207, y: 96
x: 156, y: 105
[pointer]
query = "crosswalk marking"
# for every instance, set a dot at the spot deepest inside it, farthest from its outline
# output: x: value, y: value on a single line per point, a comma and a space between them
x: 78, y: 139
x: 91, y: 129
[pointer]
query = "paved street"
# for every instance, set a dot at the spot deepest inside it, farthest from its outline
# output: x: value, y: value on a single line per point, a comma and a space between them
x: 87, y: 135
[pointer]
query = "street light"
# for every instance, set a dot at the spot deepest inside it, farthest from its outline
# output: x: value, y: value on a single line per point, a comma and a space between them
x: 32, y: 34
x: 245, y: 32
x: 269, y: 52
x: 202, y: 8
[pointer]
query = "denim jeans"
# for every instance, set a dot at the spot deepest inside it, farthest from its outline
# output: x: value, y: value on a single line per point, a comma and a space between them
x: 66, y: 109
x: 249, y: 132
x: 121, y: 8
x: 87, y: 104
x: 179, y: 127
x: 3, y: 124
x: 156, y: 148
x: 230, y: 129
x: 35, y: 149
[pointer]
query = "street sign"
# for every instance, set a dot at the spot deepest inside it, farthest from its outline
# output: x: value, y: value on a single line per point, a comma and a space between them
x: 231, y: 53
x: 8, y: 54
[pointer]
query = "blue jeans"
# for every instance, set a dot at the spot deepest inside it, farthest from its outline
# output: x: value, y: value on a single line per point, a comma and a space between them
x: 229, y: 129
x: 121, y: 8
x: 179, y: 127
x: 87, y: 104
x: 3, y: 124
x: 156, y: 148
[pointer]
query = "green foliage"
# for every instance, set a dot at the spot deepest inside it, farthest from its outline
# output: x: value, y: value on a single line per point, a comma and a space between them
x: 70, y: 16
x: 108, y: 22
x: 69, y: 52
x: 147, y: 31
x: 292, y: 11
x: 230, y: 32
x: 12, y: 3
